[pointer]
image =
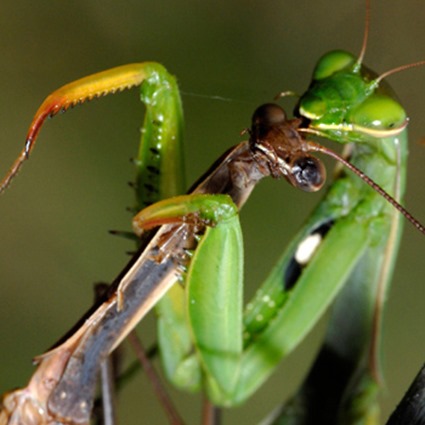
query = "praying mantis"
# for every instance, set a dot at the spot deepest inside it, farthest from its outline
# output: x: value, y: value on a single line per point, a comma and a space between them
x: 245, y: 121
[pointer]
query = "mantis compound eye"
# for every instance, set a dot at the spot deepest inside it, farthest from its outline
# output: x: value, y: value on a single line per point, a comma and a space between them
x: 378, y: 115
x: 308, y: 174
x: 332, y: 62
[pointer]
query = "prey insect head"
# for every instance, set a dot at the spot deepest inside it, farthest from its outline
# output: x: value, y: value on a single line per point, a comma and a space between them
x: 278, y: 146
x: 276, y: 143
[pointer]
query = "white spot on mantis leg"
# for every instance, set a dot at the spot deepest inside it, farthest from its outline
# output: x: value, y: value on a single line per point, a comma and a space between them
x: 307, y: 248
x: 304, y: 253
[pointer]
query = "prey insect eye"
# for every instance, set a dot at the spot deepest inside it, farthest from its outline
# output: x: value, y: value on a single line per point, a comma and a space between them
x: 264, y: 119
x: 308, y: 174
x: 268, y: 115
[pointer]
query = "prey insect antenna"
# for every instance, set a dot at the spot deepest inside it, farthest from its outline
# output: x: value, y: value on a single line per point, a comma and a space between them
x: 315, y: 147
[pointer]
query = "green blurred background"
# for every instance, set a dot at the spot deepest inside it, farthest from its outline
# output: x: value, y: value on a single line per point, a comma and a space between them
x: 54, y: 220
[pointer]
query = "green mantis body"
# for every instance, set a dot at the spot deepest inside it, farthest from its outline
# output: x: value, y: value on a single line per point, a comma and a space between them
x: 336, y: 247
